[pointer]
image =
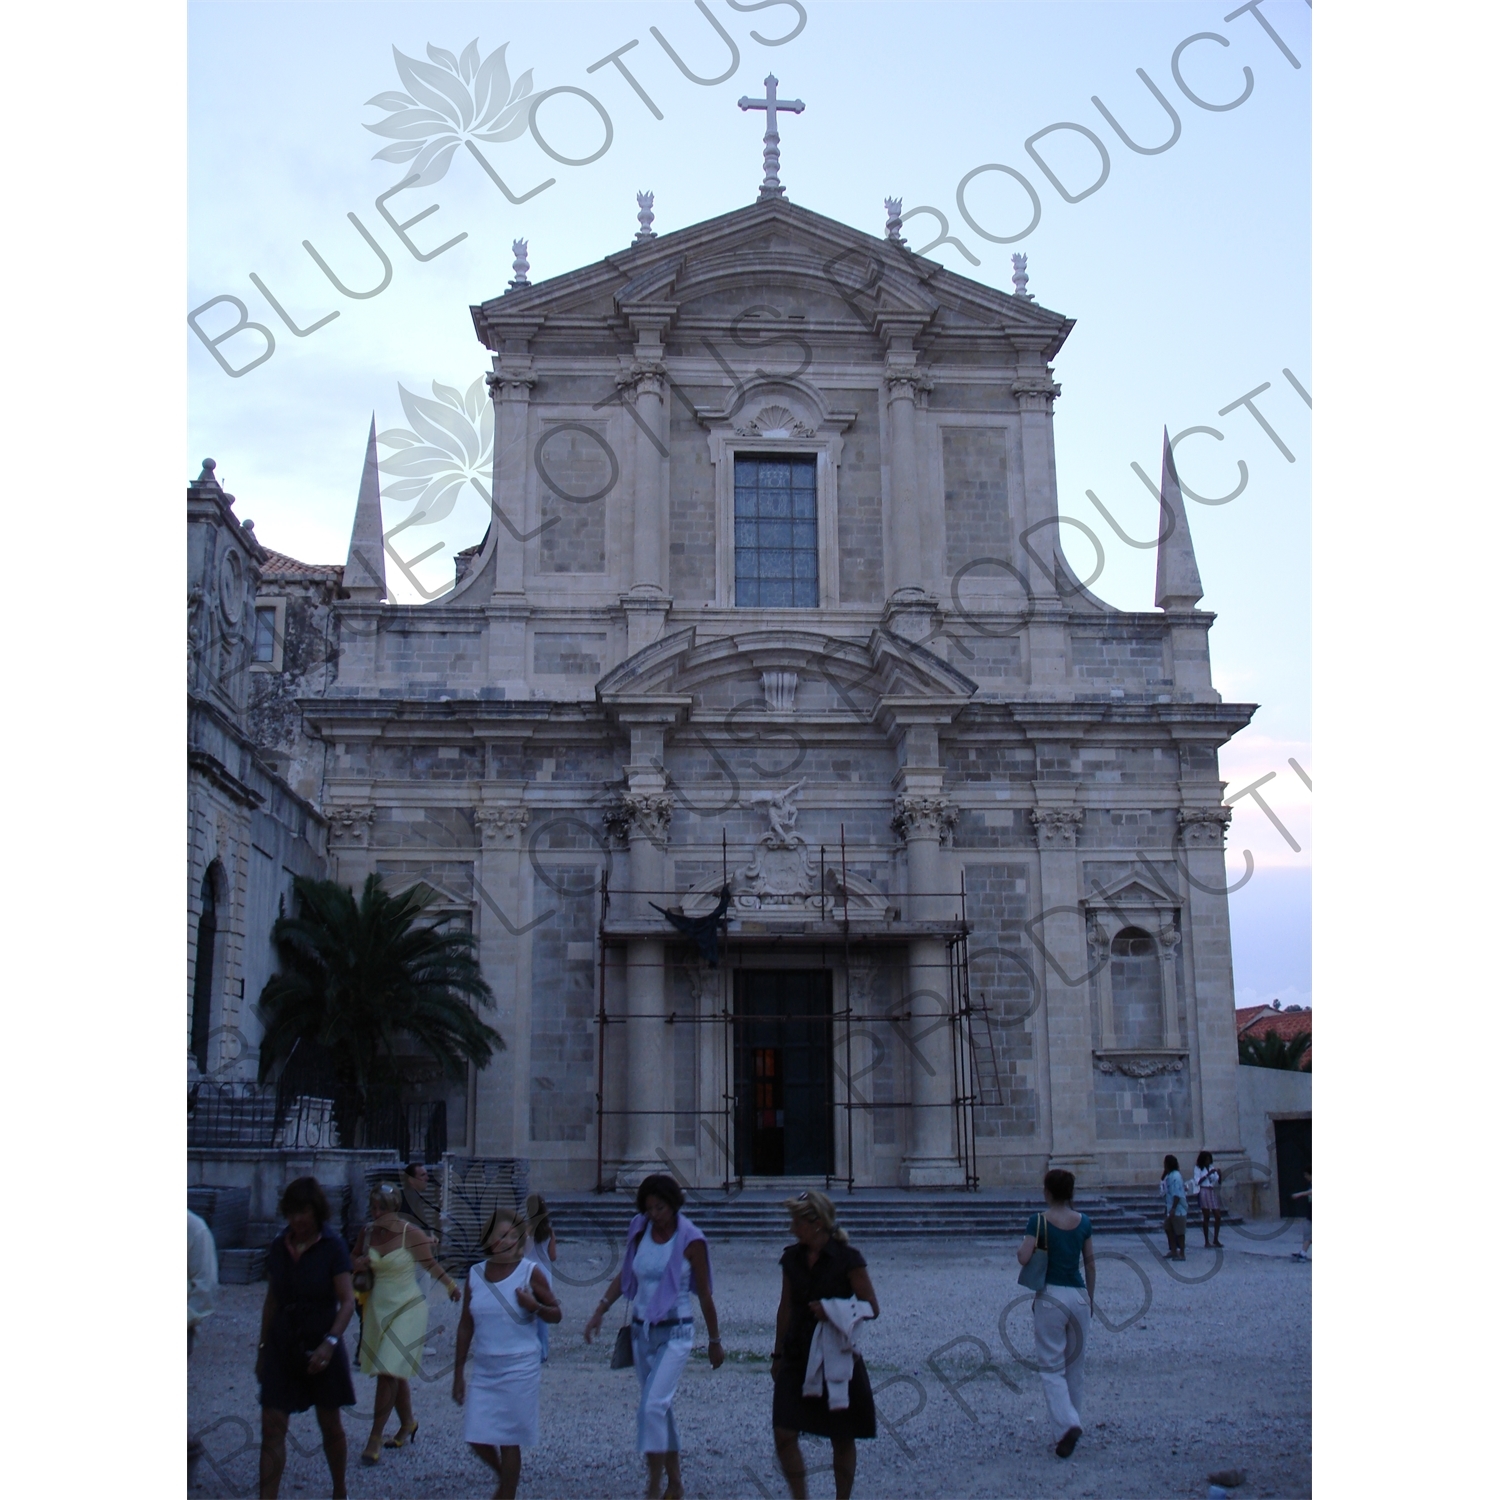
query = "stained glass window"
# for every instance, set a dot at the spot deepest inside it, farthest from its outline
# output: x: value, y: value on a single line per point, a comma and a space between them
x: 776, y: 532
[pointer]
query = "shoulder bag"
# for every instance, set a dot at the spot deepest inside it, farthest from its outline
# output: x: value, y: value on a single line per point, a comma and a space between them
x: 1034, y: 1273
x: 623, y: 1357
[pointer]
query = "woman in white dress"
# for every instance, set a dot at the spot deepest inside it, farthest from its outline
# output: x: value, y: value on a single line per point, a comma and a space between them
x: 504, y: 1295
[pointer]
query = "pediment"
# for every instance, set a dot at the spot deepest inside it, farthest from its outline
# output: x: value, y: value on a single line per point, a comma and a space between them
x: 858, y: 679
x: 1136, y: 889
x: 704, y: 272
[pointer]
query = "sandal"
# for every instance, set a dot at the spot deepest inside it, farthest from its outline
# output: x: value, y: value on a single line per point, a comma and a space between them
x: 404, y: 1435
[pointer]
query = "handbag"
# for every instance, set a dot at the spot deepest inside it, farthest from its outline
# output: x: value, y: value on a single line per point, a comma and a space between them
x: 1034, y: 1273
x: 623, y: 1357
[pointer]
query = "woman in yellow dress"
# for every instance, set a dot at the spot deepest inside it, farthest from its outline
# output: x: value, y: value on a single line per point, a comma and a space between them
x: 394, y: 1317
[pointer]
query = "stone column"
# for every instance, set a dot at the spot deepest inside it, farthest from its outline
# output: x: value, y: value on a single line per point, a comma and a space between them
x: 931, y: 1160
x: 644, y: 385
x: 1063, y: 972
x: 643, y: 818
x: 1208, y: 975
x: 510, y: 386
x: 901, y: 381
x: 502, y: 1093
x: 1036, y: 511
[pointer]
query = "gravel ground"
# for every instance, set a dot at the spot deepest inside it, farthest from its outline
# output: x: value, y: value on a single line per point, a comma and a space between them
x: 1190, y: 1369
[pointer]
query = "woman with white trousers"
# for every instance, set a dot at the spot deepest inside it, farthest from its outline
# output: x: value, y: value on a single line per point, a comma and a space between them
x: 666, y: 1262
x: 1062, y: 1310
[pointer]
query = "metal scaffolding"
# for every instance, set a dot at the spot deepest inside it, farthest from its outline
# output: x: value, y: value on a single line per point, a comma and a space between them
x: 829, y: 943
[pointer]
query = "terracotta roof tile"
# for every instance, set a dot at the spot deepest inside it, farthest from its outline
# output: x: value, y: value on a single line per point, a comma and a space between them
x: 279, y: 565
x: 1263, y: 1020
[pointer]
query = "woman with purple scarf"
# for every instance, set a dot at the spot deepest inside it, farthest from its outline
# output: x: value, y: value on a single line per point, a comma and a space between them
x: 666, y: 1263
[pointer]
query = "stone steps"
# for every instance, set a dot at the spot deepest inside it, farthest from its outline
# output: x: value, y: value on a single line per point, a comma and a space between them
x: 866, y: 1216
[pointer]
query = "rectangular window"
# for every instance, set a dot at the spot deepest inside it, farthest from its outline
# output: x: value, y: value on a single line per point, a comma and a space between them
x: 265, y: 634
x: 776, y: 532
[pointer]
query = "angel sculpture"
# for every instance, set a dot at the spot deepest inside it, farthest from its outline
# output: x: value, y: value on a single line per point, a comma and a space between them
x: 780, y: 810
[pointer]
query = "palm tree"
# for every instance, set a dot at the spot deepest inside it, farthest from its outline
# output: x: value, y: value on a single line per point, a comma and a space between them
x: 1272, y: 1051
x: 357, y: 975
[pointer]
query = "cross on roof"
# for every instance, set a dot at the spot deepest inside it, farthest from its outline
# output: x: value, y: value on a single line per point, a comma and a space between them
x: 771, y: 187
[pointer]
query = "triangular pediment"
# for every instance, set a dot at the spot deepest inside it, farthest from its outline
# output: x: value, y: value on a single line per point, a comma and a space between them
x: 1138, y: 888
x: 836, y: 273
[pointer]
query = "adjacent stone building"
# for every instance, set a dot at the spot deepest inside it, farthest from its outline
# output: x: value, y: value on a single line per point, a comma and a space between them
x: 773, y: 598
x: 250, y: 830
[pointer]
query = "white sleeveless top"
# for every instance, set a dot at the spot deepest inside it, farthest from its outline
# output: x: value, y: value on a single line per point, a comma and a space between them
x: 503, y: 1329
x: 650, y: 1266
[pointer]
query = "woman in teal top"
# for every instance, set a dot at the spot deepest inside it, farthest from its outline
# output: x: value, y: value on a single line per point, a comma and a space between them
x: 1061, y: 1311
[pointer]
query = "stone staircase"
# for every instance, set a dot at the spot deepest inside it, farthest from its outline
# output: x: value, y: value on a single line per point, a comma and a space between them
x: 873, y: 1213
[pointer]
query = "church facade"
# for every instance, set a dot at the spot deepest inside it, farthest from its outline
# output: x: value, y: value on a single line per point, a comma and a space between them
x: 814, y: 819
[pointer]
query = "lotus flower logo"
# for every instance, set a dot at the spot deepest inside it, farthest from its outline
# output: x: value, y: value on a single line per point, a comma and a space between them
x: 448, y: 100
x: 452, y: 445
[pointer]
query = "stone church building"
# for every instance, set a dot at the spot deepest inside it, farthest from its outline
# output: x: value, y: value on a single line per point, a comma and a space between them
x: 773, y: 600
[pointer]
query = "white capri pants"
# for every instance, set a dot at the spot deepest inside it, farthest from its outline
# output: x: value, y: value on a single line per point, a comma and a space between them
x: 661, y: 1353
x: 1060, y: 1317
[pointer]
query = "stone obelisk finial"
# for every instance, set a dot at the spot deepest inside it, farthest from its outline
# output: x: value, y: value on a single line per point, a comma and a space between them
x: 771, y: 187
x: 364, y: 573
x: 1177, y: 583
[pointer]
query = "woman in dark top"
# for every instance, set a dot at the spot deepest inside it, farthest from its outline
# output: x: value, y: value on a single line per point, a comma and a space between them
x: 1062, y: 1310
x: 821, y: 1264
x: 301, y: 1360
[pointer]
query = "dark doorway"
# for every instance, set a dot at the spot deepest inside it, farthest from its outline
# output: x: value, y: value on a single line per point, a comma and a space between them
x: 783, y: 1065
x: 1293, y: 1162
x: 203, y: 971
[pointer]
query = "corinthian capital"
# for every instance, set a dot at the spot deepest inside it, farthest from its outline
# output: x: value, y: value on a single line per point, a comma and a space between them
x: 501, y: 826
x: 640, y: 815
x: 350, y: 826
x: 924, y: 818
x: 1057, y: 827
x: 1204, y: 827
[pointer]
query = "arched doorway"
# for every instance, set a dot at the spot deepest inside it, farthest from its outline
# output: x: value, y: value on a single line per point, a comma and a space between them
x: 203, y: 970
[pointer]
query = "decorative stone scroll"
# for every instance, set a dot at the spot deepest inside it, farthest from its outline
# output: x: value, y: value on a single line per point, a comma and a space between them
x: 639, y: 815
x: 502, y: 826
x: 908, y: 385
x: 1140, y: 1065
x: 505, y: 384
x: 350, y: 826
x: 1057, y: 827
x: 1035, y: 391
x: 924, y: 818
x: 1204, y: 827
